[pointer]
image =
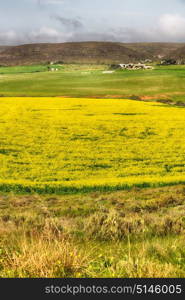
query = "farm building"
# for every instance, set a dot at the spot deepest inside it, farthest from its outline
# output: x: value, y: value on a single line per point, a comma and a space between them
x: 52, y: 69
x: 132, y: 66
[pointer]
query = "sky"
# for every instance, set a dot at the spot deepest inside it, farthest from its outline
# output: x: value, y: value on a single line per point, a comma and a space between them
x: 44, y: 21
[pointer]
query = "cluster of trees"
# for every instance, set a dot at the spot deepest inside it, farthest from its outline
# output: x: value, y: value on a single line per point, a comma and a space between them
x: 172, y: 61
x: 169, y: 62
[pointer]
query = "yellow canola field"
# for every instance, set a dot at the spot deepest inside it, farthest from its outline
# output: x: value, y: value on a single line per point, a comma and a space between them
x: 68, y: 144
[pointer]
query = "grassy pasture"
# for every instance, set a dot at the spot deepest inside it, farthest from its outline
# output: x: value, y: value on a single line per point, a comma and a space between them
x: 27, y: 69
x: 165, y: 82
x: 69, y: 145
x: 23, y: 69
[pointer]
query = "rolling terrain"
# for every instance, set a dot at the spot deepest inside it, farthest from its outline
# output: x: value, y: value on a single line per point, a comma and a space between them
x: 92, y: 180
x: 156, y: 51
x: 86, y: 52
x: 178, y: 55
x: 90, y: 52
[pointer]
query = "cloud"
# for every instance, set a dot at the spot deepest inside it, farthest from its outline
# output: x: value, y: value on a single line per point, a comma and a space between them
x: 8, y: 37
x: 169, y: 28
x: 43, y: 35
x: 93, y: 36
x: 46, y: 34
x: 69, y: 23
x: 44, y: 2
x: 173, y: 26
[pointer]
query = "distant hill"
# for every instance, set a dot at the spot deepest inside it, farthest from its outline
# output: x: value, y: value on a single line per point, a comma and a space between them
x: 178, y: 55
x: 86, y: 52
x: 155, y: 50
x: 3, y: 48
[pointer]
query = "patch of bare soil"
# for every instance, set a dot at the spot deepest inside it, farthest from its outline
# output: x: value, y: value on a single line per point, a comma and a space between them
x: 162, y: 98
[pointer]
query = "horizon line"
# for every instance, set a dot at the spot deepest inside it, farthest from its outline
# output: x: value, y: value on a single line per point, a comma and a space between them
x: 77, y: 42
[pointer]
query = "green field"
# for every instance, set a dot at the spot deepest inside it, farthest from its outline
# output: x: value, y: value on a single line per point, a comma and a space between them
x: 92, y: 176
x: 164, y: 82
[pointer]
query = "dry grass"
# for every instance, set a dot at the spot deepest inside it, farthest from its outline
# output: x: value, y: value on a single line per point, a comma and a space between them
x: 136, y: 233
x: 42, y: 256
x: 114, y: 225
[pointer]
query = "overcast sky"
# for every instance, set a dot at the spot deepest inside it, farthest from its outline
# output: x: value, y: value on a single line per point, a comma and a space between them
x: 33, y: 21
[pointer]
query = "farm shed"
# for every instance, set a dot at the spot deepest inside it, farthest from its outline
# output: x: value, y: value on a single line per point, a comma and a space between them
x: 132, y: 66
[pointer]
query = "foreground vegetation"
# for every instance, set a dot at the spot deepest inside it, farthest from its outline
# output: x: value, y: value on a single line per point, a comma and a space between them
x: 137, y: 233
x: 162, y: 83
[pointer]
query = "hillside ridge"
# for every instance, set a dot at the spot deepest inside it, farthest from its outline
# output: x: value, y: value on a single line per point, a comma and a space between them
x: 88, y: 52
